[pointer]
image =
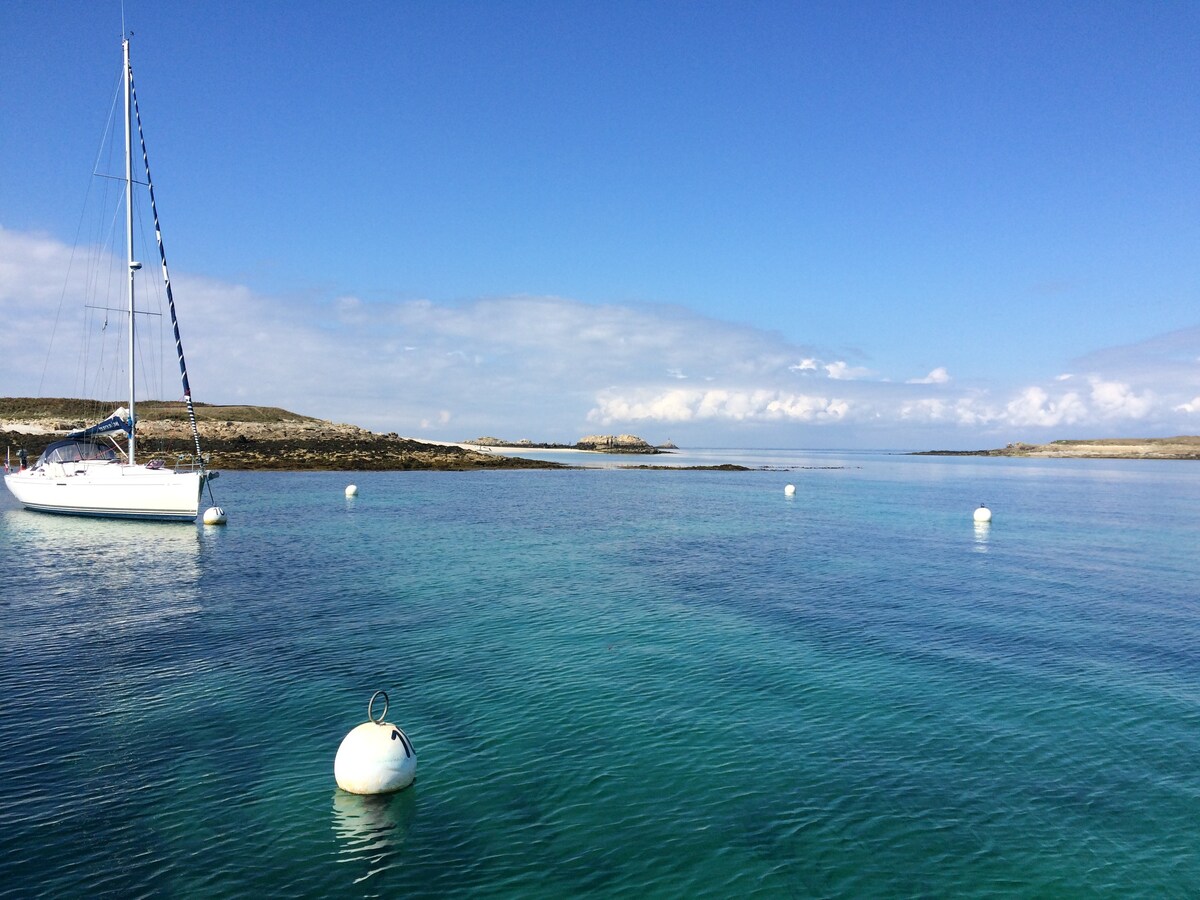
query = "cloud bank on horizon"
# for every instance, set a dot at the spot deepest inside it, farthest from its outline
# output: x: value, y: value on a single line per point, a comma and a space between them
x: 552, y: 368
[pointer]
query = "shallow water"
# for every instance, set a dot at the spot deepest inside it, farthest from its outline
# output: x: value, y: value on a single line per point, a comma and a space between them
x: 617, y: 682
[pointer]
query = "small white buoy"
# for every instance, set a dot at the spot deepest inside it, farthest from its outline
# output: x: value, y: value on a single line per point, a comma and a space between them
x: 352, y: 490
x: 983, y: 514
x: 376, y: 757
x: 789, y: 491
x: 214, y: 515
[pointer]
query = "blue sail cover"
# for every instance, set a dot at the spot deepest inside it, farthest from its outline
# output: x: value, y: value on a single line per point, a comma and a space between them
x: 118, y: 421
x: 69, y: 451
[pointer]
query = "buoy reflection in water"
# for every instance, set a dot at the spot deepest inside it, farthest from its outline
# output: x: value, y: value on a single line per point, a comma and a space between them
x: 372, y: 828
x: 982, y: 529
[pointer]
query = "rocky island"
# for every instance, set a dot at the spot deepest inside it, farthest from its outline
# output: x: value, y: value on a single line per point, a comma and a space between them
x: 599, y: 443
x: 1181, y: 447
x: 244, y: 437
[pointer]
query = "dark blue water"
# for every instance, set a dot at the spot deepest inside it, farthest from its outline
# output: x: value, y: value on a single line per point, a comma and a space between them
x: 618, y: 683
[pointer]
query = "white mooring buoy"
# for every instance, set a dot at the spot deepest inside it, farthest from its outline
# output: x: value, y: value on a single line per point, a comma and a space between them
x: 214, y: 515
x: 352, y: 490
x: 789, y: 491
x: 376, y: 757
x: 983, y: 514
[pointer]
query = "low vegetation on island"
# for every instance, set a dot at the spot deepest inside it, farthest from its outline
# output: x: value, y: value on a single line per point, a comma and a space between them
x: 1181, y: 447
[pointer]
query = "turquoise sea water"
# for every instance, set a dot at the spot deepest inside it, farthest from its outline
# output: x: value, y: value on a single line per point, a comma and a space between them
x: 618, y: 683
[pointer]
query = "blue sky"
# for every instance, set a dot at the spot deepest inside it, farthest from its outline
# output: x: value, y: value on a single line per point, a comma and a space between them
x: 735, y: 224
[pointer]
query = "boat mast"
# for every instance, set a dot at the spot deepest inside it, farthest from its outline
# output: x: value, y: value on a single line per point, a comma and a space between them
x: 133, y: 266
x: 162, y: 256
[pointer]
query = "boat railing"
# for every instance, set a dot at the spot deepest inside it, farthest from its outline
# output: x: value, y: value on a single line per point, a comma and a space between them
x: 190, y: 462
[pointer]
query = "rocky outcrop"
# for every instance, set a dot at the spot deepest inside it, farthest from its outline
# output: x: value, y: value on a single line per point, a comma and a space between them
x: 621, y: 443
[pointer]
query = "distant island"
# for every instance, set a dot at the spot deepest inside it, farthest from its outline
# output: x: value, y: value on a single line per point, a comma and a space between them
x: 1182, y: 447
x: 245, y: 437
x: 598, y: 443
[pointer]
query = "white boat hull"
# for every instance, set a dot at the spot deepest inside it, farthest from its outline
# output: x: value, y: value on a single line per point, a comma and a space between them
x: 109, y: 490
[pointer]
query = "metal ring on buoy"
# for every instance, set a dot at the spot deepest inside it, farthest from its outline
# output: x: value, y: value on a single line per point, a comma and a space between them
x: 383, y: 715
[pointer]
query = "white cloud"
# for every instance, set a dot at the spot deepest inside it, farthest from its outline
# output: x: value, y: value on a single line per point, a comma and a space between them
x: 1106, y: 402
x: 674, y: 406
x: 552, y: 368
x: 843, y: 371
x: 1115, y: 400
x: 963, y: 411
x: 838, y: 370
x: 1034, y: 407
x: 937, y: 376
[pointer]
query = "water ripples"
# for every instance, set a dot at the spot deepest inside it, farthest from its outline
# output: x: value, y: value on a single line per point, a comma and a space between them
x: 617, y: 682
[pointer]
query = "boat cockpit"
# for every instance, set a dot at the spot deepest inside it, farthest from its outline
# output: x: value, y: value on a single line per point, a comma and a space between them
x: 74, y: 450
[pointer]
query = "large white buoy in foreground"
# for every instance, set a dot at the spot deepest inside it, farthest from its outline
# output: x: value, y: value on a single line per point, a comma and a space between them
x: 789, y: 491
x: 352, y: 490
x: 376, y: 757
x: 214, y: 515
x: 983, y: 514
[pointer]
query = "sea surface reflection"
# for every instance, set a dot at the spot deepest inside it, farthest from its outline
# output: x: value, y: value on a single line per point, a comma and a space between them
x: 371, y: 830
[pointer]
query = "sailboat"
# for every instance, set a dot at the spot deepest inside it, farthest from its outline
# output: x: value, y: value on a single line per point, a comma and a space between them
x: 89, y: 473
